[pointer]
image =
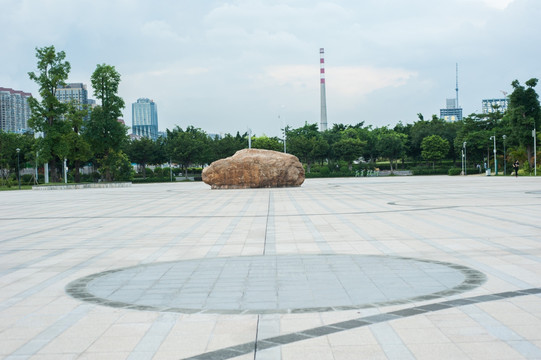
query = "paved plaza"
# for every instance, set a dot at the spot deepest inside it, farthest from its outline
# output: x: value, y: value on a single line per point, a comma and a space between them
x: 351, y: 268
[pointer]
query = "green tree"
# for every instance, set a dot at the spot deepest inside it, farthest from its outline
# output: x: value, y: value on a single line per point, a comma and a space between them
x: 116, y: 165
x: 423, y: 128
x: 77, y: 148
x: 524, y: 114
x: 227, y: 145
x: 9, y: 142
x: 307, y: 144
x: 267, y: 143
x: 188, y: 147
x: 145, y: 151
x: 390, y: 144
x: 434, y: 148
x: 105, y: 81
x: 476, y: 130
x: 47, y: 115
x: 105, y: 133
x: 348, y: 149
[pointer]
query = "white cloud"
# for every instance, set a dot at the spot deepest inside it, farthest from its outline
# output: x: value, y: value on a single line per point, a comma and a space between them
x: 349, y: 82
x: 497, y: 4
x: 161, y: 30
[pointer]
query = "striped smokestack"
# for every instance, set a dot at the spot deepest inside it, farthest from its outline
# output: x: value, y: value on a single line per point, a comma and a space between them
x: 323, y: 123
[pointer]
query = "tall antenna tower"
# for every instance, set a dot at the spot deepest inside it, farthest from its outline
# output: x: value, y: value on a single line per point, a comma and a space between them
x: 323, y: 124
x: 457, y: 86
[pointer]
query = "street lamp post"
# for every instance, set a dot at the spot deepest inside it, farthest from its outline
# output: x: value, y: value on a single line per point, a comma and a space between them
x: 465, y: 159
x: 285, y: 139
x: 534, y: 152
x: 285, y: 133
x: 18, y: 168
x: 65, y: 171
x: 504, y: 158
x: 495, y: 159
x: 462, y: 162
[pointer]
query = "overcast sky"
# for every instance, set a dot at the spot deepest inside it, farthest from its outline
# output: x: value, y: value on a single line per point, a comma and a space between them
x: 226, y: 66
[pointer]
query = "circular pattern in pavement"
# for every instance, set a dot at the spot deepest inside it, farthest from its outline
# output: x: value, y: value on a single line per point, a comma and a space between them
x: 275, y: 284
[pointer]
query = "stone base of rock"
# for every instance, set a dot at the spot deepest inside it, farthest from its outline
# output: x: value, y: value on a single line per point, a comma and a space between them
x: 254, y: 168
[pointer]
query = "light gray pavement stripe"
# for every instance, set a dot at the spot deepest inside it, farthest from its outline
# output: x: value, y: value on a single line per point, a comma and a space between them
x: 20, y: 266
x: 502, y: 332
x: 471, y: 262
x: 247, y: 348
x: 476, y: 264
x: 180, y: 236
x: 44, y: 240
x: 46, y: 336
x: 153, y: 338
x: 28, y: 217
x: 229, y: 230
x: 356, y: 203
x: 316, y: 235
x: 356, y: 227
x: 500, y: 219
x: 270, y: 228
x: 64, y: 274
x: 456, y: 232
x: 268, y: 327
x: 492, y: 243
x: 390, y: 342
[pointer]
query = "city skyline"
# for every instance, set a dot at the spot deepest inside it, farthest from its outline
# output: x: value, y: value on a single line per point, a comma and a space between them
x: 229, y: 66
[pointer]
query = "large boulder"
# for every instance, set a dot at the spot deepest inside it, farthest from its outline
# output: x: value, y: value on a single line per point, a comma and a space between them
x: 254, y: 168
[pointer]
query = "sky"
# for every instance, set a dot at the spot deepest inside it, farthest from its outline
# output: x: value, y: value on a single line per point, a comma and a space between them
x: 233, y: 65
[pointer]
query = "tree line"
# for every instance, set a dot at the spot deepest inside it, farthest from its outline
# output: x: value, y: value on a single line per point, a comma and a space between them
x: 103, y: 142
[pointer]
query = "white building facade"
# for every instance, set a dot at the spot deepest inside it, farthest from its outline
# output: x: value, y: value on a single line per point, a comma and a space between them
x: 14, y: 110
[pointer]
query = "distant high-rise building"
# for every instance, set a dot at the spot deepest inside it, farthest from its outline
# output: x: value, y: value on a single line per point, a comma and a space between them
x: 452, y: 112
x: 72, y: 92
x: 76, y: 93
x: 14, y: 110
x: 145, y: 118
x: 493, y: 105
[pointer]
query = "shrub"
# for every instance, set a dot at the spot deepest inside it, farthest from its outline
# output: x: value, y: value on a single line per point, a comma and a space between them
x: 454, y: 171
x: 158, y: 172
x: 27, y: 179
x: 148, y: 172
x: 151, y: 180
x: 195, y: 170
x: 426, y: 171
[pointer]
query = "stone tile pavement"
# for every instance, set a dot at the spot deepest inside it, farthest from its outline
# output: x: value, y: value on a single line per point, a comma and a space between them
x: 352, y: 268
